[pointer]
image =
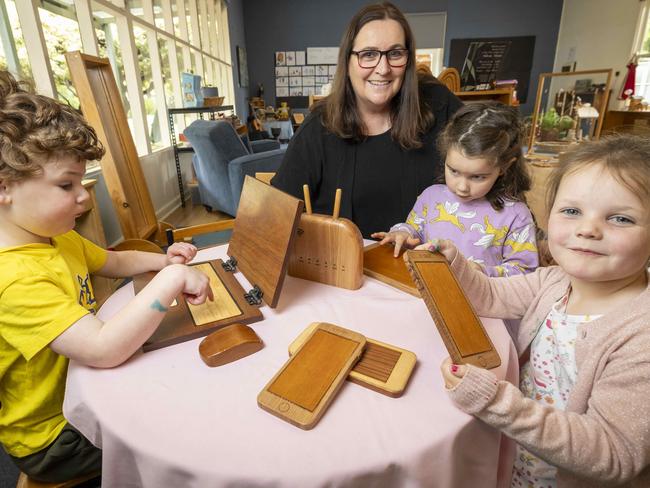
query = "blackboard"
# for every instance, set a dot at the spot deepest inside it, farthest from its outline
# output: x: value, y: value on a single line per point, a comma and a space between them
x: 482, y: 60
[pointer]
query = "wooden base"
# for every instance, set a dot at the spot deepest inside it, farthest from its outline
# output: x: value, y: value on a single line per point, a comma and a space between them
x: 379, y: 263
x: 383, y: 368
x: 233, y: 342
x: 184, y: 322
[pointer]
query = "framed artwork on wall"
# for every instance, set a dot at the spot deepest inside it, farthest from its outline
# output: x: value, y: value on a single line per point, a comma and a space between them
x: 242, y: 66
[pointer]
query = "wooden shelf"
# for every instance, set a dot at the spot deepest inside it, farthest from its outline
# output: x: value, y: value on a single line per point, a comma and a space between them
x: 503, y: 95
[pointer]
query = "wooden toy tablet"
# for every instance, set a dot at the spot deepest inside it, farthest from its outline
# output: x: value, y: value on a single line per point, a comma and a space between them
x: 327, y: 249
x: 462, y: 332
x: 229, y: 344
x: 262, y: 236
x: 184, y: 321
x: 307, y: 383
x: 380, y: 263
x: 383, y: 368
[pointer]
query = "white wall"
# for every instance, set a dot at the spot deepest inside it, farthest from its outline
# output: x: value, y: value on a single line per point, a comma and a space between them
x: 598, y: 34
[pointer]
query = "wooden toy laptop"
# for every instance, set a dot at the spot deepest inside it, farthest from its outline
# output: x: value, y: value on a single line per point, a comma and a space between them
x: 327, y: 249
x: 307, y: 383
x: 380, y: 263
x: 462, y: 332
x: 262, y: 236
x: 383, y: 368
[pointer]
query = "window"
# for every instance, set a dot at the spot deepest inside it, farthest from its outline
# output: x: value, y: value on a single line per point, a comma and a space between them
x: 191, y: 36
x: 642, y: 79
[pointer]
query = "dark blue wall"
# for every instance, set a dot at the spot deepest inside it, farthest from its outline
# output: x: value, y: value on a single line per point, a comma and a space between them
x: 289, y: 25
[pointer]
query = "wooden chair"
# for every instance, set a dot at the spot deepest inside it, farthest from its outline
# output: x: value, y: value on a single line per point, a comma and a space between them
x: 138, y: 245
x: 265, y: 177
x: 450, y: 77
x: 179, y: 235
x: 25, y: 481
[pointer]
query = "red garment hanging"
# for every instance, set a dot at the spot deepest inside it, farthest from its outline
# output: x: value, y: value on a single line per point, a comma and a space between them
x: 630, y: 78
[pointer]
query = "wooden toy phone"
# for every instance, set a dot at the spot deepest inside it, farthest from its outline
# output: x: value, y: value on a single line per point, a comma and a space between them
x: 383, y: 368
x: 380, y: 263
x: 305, y: 386
x: 327, y: 249
x: 264, y: 231
x: 462, y: 332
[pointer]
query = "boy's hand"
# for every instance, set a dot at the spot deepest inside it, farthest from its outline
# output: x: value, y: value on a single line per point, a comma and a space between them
x: 180, y: 253
x: 401, y: 239
x: 452, y: 373
x: 197, y: 286
x: 443, y: 246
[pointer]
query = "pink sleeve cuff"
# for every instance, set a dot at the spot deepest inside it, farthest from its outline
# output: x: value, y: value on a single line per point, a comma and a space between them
x: 476, y: 390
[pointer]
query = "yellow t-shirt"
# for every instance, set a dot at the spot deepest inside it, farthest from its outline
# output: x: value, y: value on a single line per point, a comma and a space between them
x: 44, y: 289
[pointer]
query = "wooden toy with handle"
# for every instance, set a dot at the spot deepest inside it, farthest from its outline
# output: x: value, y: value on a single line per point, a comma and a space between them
x: 327, y: 249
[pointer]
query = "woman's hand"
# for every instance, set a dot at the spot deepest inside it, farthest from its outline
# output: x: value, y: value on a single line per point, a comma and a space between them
x: 401, y: 239
x: 452, y: 373
x: 180, y: 253
x: 443, y: 246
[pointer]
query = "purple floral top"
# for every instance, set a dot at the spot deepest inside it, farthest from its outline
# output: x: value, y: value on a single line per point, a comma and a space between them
x: 502, y: 242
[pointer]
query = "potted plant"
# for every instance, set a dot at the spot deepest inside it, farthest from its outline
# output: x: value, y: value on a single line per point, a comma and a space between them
x: 552, y: 127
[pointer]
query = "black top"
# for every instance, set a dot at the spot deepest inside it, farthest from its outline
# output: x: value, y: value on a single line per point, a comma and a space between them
x: 380, y: 181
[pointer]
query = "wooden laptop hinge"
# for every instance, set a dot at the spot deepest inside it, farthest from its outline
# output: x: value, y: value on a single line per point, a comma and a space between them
x: 231, y: 265
x: 254, y: 296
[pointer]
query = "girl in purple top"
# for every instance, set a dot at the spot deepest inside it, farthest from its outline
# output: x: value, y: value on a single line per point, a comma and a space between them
x: 481, y: 207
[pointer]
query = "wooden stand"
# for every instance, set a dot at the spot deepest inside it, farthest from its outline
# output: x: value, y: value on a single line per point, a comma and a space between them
x: 383, y: 368
x: 460, y: 328
x: 305, y: 386
x: 263, y: 233
x: 327, y: 249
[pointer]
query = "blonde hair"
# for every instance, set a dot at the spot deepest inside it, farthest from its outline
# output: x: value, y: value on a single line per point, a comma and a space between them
x: 625, y: 157
x: 35, y: 127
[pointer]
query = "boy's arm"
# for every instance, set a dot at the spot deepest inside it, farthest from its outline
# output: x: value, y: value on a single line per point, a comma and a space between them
x: 129, y: 263
x: 106, y: 344
x: 607, y: 443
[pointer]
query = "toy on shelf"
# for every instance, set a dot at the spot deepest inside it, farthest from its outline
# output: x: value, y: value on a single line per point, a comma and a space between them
x: 328, y: 249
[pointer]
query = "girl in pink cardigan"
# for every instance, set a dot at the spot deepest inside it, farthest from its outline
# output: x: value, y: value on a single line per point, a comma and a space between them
x: 581, y: 415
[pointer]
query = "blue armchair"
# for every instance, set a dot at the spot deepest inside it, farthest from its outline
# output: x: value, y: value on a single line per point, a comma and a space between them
x: 222, y: 160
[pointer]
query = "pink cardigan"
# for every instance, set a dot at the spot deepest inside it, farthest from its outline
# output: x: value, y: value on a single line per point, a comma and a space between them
x: 603, y: 436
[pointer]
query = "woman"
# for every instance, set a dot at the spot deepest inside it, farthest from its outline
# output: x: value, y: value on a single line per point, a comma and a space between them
x: 374, y: 135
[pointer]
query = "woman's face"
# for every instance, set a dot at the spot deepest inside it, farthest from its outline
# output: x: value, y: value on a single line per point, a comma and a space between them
x: 375, y: 87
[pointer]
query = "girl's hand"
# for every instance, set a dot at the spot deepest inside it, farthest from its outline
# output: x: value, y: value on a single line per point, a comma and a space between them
x: 180, y: 253
x: 443, y: 246
x: 401, y: 239
x: 452, y: 373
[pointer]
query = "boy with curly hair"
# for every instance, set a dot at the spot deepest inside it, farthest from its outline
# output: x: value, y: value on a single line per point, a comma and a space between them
x: 46, y: 300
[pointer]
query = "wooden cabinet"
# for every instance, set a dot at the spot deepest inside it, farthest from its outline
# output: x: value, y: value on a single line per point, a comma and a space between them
x: 627, y: 121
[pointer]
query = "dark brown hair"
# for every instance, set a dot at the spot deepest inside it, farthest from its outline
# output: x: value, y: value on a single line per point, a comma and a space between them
x: 410, y: 116
x: 34, y: 127
x: 625, y: 157
x: 492, y: 131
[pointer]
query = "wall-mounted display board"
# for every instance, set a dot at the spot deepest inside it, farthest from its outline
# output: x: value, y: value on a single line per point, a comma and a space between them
x: 481, y: 61
x: 296, y: 77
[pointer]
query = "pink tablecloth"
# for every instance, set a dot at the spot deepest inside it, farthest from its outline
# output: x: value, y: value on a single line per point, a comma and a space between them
x: 165, y: 419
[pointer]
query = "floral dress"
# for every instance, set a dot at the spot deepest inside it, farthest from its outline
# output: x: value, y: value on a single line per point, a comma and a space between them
x: 548, y: 378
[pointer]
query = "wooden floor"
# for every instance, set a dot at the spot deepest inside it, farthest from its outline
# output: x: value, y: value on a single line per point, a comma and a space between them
x: 193, y: 215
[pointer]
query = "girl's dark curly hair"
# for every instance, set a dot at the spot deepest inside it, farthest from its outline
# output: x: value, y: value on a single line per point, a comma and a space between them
x: 34, y: 128
x: 493, y: 131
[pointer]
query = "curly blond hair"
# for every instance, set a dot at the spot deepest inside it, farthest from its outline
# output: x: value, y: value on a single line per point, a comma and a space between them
x: 34, y: 128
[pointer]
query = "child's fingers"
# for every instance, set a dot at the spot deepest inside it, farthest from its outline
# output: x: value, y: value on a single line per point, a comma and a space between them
x: 452, y: 373
x: 378, y: 235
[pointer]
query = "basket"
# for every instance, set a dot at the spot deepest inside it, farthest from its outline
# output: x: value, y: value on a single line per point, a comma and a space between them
x: 213, y: 101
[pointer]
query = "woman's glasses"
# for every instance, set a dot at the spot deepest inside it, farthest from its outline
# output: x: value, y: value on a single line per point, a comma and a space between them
x: 369, y: 58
